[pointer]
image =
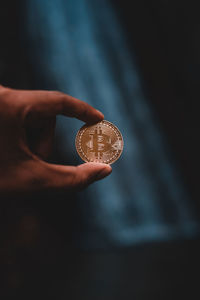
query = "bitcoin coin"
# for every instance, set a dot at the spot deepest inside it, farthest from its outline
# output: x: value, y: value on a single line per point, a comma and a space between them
x: 101, y: 142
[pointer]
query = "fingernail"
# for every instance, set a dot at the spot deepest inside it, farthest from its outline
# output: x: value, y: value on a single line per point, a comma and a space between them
x: 104, y: 172
x: 100, y: 113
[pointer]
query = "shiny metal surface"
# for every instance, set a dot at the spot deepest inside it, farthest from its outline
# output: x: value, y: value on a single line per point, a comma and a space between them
x: 101, y: 142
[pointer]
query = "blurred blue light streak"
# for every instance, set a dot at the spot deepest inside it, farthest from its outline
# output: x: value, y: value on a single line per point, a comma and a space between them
x: 80, y: 48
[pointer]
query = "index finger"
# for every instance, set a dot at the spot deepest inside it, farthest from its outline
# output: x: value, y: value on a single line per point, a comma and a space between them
x: 51, y: 103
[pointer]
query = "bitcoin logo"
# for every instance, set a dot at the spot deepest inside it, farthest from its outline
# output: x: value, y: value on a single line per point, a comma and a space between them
x: 101, y: 142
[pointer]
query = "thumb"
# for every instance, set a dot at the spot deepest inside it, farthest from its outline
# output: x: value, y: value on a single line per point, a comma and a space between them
x: 75, y: 177
x: 90, y: 172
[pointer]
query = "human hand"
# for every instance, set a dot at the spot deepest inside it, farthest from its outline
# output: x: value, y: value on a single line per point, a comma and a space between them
x: 22, y: 167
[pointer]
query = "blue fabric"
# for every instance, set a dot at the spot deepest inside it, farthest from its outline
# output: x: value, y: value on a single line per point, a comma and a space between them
x: 79, y: 47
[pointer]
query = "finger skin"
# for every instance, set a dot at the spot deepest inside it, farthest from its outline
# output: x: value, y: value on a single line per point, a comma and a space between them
x: 21, y: 169
x: 75, y: 177
x: 52, y: 103
x: 32, y: 177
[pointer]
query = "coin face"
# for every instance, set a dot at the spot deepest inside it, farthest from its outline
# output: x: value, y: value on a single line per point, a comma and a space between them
x: 101, y: 142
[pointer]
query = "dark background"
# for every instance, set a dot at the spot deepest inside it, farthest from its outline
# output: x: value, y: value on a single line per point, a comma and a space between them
x: 37, y: 262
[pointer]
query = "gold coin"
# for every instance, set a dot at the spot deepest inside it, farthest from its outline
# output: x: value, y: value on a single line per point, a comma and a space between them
x: 101, y: 142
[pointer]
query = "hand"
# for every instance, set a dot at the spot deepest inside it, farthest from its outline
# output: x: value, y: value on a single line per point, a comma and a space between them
x: 22, y: 164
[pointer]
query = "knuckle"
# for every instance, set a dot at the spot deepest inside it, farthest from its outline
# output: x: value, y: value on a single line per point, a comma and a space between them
x: 84, y: 111
x: 61, y: 99
x: 76, y: 180
x: 84, y: 179
x: 81, y: 111
x: 59, y: 95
